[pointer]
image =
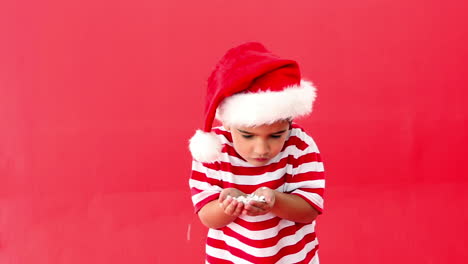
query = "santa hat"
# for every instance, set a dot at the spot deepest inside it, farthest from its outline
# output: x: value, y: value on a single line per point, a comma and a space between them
x: 250, y: 86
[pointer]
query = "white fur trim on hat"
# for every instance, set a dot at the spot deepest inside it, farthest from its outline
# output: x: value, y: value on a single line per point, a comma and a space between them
x: 250, y: 109
x: 205, y: 146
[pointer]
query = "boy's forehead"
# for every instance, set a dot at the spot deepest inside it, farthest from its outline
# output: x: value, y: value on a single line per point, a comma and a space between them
x: 275, y: 126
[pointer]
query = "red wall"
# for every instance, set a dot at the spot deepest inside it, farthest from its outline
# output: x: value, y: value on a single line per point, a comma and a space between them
x: 99, y: 98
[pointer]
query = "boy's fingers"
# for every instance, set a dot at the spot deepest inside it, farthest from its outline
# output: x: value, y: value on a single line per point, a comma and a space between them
x: 230, y: 208
x: 239, y: 209
x: 261, y: 205
x: 224, y: 204
x: 227, y: 200
x: 253, y: 210
x: 222, y: 196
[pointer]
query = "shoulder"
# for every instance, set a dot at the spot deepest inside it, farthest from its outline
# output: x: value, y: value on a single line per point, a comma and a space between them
x: 301, y: 139
x: 224, y: 135
x: 229, y: 157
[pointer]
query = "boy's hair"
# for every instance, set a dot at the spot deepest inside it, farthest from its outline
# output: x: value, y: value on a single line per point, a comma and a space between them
x: 250, y: 86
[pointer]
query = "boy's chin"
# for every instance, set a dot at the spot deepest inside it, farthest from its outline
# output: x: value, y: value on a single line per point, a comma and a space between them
x: 256, y: 162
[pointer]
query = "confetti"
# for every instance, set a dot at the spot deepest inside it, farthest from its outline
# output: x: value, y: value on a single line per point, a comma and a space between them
x: 250, y: 197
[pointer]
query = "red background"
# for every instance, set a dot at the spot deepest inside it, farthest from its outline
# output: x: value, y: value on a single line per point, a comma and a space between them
x: 99, y: 98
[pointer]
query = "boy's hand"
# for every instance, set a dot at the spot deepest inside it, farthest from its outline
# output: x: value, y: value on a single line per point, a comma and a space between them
x: 229, y: 205
x: 254, y: 208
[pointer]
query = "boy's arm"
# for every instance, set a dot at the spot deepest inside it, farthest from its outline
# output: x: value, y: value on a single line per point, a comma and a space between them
x: 287, y: 206
x: 293, y: 208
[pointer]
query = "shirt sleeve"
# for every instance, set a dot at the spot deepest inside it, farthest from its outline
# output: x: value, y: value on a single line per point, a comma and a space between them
x: 204, y: 184
x: 307, y: 179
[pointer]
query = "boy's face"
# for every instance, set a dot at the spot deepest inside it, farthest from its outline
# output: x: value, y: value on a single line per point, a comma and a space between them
x: 259, y: 144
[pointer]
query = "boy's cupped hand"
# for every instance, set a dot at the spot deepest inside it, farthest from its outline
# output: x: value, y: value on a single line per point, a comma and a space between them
x: 254, y: 208
x: 229, y: 205
x: 232, y: 207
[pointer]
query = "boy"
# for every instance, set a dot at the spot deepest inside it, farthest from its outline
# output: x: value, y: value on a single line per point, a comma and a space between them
x: 260, y: 151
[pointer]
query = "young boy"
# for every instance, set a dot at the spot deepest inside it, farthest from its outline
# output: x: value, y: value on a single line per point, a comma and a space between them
x: 258, y: 151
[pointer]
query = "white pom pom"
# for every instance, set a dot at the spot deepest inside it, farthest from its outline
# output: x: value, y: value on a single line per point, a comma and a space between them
x: 205, y: 146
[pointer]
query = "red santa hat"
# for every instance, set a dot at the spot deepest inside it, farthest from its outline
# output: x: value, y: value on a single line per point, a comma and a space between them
x: 250, y: 86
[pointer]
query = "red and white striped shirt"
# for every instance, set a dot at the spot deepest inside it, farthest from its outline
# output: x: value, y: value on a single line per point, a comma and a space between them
x: 297, y: 169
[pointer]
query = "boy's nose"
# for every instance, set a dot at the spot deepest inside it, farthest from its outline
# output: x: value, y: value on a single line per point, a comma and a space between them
x: 262, y: 148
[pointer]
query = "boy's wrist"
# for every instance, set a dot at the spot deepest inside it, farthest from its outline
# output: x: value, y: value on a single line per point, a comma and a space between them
x: 276, y: 197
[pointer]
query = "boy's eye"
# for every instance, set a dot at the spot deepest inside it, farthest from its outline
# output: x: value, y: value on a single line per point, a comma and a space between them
x: 276, y: 136
x: 247, y: 136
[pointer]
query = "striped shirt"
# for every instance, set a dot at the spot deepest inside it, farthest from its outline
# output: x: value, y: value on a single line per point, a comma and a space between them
x: 297, y: 169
